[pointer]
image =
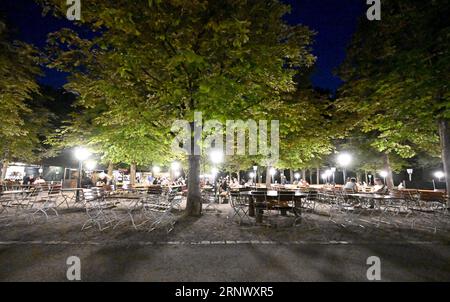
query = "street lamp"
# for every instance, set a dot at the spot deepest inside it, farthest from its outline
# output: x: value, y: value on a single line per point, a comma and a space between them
x: 175, y: 169
x: 333, y: 170
x: 175, y: 166
x: 324, y: 177
x: 81, y: 154
x: 272, y: 172
x: 328, y: 174
x: 439, y: 175
x: 156, y: 169
x: 216, y: 156
x: 384, y: 174
x: 252, y: 176
x: 297, y: 176
x: 410, y: 172
x: 255, y: 170
x: 344, y: 159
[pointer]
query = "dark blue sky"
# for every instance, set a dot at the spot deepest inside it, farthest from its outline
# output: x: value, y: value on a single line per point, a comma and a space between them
x: 334, y: 21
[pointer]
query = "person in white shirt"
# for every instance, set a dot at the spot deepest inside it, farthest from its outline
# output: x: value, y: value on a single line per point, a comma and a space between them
x: 351, y: 185
x: 39, y: 181
x: 379, y: 187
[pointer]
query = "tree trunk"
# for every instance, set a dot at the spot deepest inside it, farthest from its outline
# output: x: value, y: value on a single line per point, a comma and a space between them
x: 291, y: 176
x: 238, y: 176
x: 194, y: 198
x: 387, y: 167
x: 444, y: 134
x: 310, y: 176
x: 5, y: 164
x: 268, y: 177
x: 110, y: 169
x: 133, y: 174
x: 358, y: 177
x: 318, y: 175
x: 304, y: 174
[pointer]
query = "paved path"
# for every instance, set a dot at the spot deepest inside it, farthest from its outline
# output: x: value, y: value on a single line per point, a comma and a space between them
x: 224, y: 261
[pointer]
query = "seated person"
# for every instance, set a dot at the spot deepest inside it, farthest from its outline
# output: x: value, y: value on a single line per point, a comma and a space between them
x: 351, y: 185
x: 39, y: 180
x: 379, y: 187
x: 303, y: 183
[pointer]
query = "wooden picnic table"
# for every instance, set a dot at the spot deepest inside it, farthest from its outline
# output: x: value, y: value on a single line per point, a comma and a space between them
x: 258, y: 199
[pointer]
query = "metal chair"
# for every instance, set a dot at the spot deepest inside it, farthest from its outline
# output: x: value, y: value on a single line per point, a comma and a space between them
x: 160, y: 214
x: 209, y: 198
x: 97, y: 209
x: 240, y: 206
x: 45, y: 202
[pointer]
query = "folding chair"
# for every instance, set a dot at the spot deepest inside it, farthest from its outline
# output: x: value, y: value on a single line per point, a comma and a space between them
x: 240, y: 206
x: 209, y: 198
x: 160, y: 214
x: 97, y: 209
x: 45, y: 202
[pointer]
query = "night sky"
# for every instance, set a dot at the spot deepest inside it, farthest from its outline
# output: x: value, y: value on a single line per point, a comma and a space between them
x: 334, y: 21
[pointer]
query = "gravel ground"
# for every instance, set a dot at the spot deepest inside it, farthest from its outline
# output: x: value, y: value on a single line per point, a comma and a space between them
x: 218, y: 226
x: 215, y: 247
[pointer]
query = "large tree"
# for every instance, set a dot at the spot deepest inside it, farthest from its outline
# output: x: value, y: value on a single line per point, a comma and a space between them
x: 24, y: 118
x: 397, y: 79
x: 226, y: 59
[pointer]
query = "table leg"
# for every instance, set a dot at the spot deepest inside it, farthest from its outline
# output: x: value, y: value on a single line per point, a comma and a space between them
x: 251, y: 207
x: 259, y: 216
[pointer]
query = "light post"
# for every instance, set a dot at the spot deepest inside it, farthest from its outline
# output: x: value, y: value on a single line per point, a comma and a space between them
x: 439, y: 175
x: 40, y: 171
x: 384, y: 174
x: 328, y: 174
x: 175, y: 169
x: 333, y: 170
x: 81, y: 154
x: 156, y: 170
x: 255, y: 170
x: 252, y: 177
x: 273, y: 171
x: 410, y: 172
x: 297, y: 176
x: 216, y: 157
x: 344, y: 159
x: 324, y: 178
x: 370, y: 179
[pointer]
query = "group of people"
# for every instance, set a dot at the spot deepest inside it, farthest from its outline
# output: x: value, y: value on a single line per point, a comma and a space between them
x: 165, y: 181
x: 31, y: 180
x: 379, y: 186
